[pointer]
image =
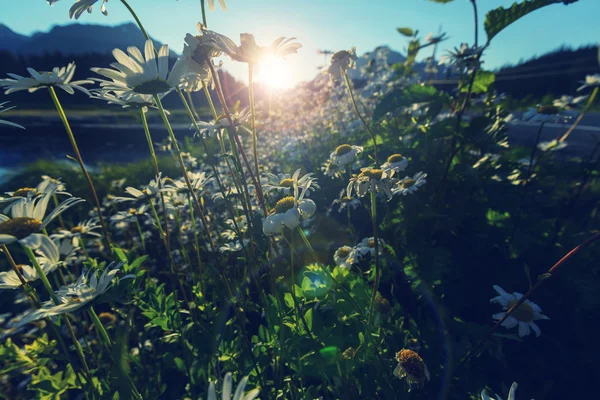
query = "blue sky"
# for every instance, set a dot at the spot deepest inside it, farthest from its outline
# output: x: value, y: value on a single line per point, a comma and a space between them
x: 331, y: 24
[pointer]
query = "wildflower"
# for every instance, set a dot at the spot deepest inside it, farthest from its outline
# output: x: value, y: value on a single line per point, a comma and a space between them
x: 125, y: 99
x: 344, y: 257
x: 151, y: 190
x: 234, y: 246
x: 2, y: 109
x: 78, y: 294
x: 288, y: 212
x: 332, y: 170
x: 569, y: 102
x: 397, y: 162
x: 367, y: 246
x: 83, y: 228
x: 251, y: 53
x: 511, y: 393
x: 142, y: 74
x: 341, y: 62
x: 410, y: 185
x: 58, y: 77
x: 411, y: 366
x: 345, y: 154
x: 28, y: 220
x: 345, y: 201
x: 466, y: 58
x: 49, y: 259
x: 286, y: 183
x: 81, y: 6
x: 371, y: 180
x: 47, y: 186
x: 590, y: 81
x: 199, y: 50
x: 10, y: 280
x: 552, y: 145
x: 132, y: 213
x: 522, y: 317
x: 546, y: 113
x: 227, y: 389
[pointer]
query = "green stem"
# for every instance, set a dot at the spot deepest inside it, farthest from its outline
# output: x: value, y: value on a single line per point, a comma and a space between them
x: 41, y: 274
x: 139, y: 229
x: 296, y: 305
x: 65, y: 121
x: 196, y: 243
x: 203, y: 13
x: 254, y: 134
x: 362, y: 119
x: 578, y: 120
x: 137, y: 20
x: 100, y: 328
x: 377, y: 266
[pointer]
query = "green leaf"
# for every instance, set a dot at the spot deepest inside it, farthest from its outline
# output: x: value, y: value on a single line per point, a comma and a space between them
x: 180, y: 364
x: 120, y: 254
x: 483, y: 81
x: 498, y: 19
x: 289, y: 300
x: 406, y: 31
x: 309, y: 318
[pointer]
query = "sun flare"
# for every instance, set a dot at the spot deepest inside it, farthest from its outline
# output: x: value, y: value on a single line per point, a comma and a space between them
x: 275, y: 72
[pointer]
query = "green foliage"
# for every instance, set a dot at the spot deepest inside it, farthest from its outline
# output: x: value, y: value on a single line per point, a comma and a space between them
x: 406, y: 31
x: 498, y: 19
x: 483, y: 82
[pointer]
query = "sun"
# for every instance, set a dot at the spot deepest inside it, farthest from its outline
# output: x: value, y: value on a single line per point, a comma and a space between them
x: 275, y: 73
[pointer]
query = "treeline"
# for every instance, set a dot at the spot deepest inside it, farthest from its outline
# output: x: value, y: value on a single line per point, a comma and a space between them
x: 18, y: 64
x: 552, y: 74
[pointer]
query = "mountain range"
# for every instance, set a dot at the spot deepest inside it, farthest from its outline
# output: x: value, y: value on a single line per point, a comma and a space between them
x: 73, y: 39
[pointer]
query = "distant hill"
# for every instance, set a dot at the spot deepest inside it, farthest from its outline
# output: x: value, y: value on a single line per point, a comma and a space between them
x: 73, y: 39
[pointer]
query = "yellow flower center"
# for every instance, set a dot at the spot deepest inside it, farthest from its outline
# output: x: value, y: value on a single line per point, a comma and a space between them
x: 24, y: 192
x: 343, y: 252
x: 132, y: 211
x: 408, y: 183
x: 345, y: 199
x: 20, y: 227
x: 287, y: 203
x: 287, y: 182
x: 394, y: 158
x: 547, y: 110
x: 524, y: 313
x: 343, y: 149
x: 371, y: 243
x: 77, y: 229
x: 412, y: 363
x: 371, y: 174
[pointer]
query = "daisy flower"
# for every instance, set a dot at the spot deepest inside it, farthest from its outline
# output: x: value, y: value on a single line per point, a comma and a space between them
x: 141, y: 74
x: 552, y: 145
x: 124, y: 99
x: 345, y: 154
x: 523, y: 317
x: 152, y: 189
x: 27, y: 220
x: 372, y: 180
x: 341, y: 62
x: 332, y: 170
x: 412, y: 367
x: 234, y: 246
x: 81, y: 6
x: 410, y: 185
x: 288, y: 212
x: 466, y: 58
x: 546, y: 113
x: 286, y: 183
x: 251, y: 53
x: 58, y: 77
x: 511, y: 393
x: 228, y: 388
x: 397, y: 162
x: 83, y: 228
x: 344, y: 201
x: 199, y: 50
x: 569, y: 102
x: 2, y: 109
x: 211, y: 5
x: 367, y: 246
x: 47, y: 186
x: 78, y: 294
x: 49, y: 259
x: 590, y: 81
x: 344, y: 257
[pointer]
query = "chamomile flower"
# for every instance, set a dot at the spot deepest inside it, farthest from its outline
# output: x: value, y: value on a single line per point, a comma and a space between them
x: 47, y: 186
x: 546, y: 113
x: 286, y: 182
x: 412, y: 367
x: 569, y: 102
x: 85, y: 228
x: 341, y: 62
x: 234, y: 246
x: 4, y: 122
x: 10, y: 280
x: 141, y: 74
x: 465, y: 58
x: 125, y: 99
x: 345, y: 154
x: 523, y: 317
x: 58, y: 77
x: 72, y: 297
x: 590, y: 81
x: 410, y: 185
x: 49, y: 259
x: 251, y: 53
x: 228, y: 388
x: 367, y: 246
x: 332, y: 170
x: 552, y: 145
x: 344, y: 257
x: 372, y: 180
x: 288, y: 212
x: 82, y: 6
x: 511, y: 393
x: 344, y: 202
x: 27, y: 220
x: 151, y: 190
x: 397, y: 162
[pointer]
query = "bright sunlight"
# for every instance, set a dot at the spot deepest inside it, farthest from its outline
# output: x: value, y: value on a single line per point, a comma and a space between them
x: 275, y: 72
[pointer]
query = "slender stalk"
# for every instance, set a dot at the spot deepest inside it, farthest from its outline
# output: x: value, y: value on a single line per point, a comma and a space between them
x: 140, y: 233
x: 100, y: 328
x: 296, y: 305
x: 223, y: 102
x: 578, y: 120
x: 184, y: 171
x: 137, y: 20
x: 65, y: 122
x: 254, y: 134
x: 551, y: 272
x: 157, y: 174
x: 362, y: 119
x: 476, y: 17
x: 60, y: 218
x: 203, y: 12
x: 377, y: 266
x: 196, y: 243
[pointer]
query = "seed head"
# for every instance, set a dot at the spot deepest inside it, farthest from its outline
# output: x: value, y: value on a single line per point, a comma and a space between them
x: 24, y: 192
x: 394, y: 158
x: 371, y: 174
x: 285, y: 204
x: 20, y: 227
x: 343, y: 149
x: 547, y: 110
x: 412, y: 363
x: 408, y: 182
x: 287, y: 182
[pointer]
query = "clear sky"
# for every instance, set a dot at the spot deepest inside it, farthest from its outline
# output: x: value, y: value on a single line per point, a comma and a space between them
x: 330, y: 24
